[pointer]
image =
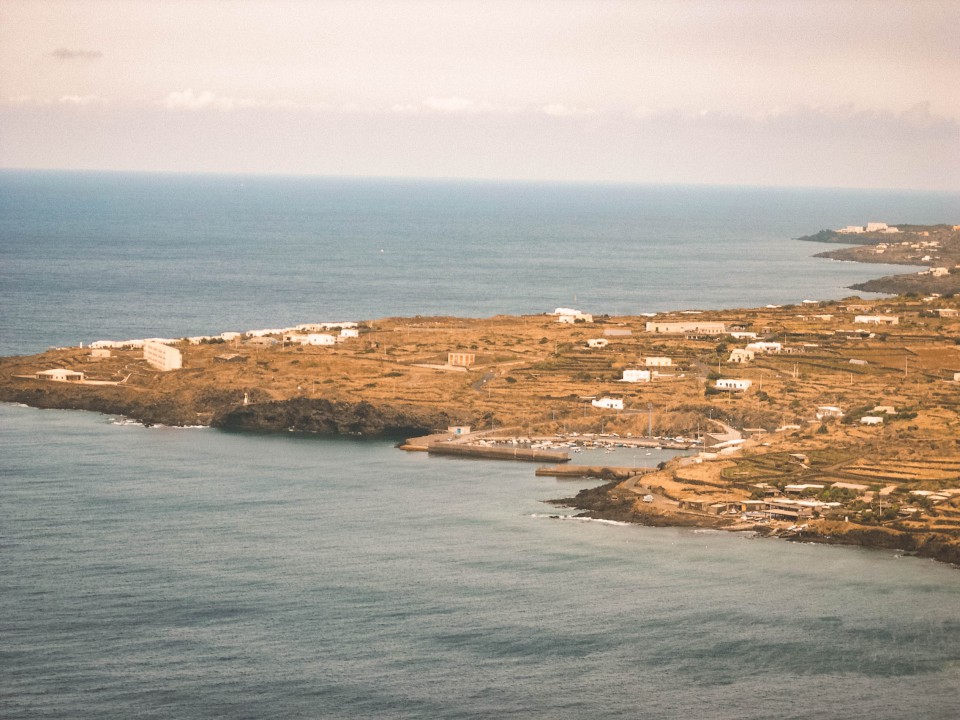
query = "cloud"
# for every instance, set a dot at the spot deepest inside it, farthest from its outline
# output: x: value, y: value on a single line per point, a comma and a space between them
x: 66, y: 54
x: 81, y: 100
x: 455, y: 105
x: 206, y: 100
x: 561, y: 110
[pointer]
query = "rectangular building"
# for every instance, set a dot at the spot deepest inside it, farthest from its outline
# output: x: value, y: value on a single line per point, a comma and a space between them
x: 685, y: 328
x: 162, y: 357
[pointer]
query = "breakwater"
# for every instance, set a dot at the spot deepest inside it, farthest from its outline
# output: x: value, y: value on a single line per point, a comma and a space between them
x: 498, y: 452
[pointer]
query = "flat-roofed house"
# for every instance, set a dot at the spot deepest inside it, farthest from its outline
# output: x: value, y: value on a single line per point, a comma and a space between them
x: 828, y: 411
x: 608, y: 403
x: 687, y: 328
x: 877, y: 319
x: 658, y: 362
x: 461, y: 359
x: 633, y: 376
x: 733, y: 384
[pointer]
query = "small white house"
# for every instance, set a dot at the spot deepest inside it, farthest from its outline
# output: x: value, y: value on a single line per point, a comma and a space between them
x: 743, y: 335
x: 733, y: 384
x: 871, y: 420
x: 766, y: 348
x: 877, y: 319
x: 571, y: 316
x: 608, y: 403
x: 658, y: 362
x: 741, y: 355
x: 597, y: 343
x: 459, y: 429
x: 828, y: 411
x: 634, y: 376
x: 349, y: 332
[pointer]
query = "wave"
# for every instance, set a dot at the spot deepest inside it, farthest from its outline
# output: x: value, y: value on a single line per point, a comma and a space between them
x: 578, y: 518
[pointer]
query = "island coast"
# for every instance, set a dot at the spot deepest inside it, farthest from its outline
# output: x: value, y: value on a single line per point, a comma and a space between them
x: 825, y: 421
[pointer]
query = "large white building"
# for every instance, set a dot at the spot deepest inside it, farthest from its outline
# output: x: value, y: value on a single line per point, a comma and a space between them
x: 162, y: 357
x: 692, y: 328
x: 633, y: 376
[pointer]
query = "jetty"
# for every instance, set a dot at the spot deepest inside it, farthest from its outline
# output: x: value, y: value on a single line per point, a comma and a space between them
x: 498, y: 452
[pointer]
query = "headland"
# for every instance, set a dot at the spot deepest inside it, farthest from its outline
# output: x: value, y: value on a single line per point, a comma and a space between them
x: 829, y: 421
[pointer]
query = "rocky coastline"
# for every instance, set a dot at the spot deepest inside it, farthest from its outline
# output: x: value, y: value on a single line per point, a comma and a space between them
x: 612, y: 501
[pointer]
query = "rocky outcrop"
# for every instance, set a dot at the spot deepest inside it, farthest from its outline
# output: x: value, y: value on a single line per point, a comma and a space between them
x: 331, y: 417
x: 224, y: 409
x: 937, y: 546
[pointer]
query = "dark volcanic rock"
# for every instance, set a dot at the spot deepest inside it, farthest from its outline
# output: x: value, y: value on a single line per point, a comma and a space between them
x: 333, y: 418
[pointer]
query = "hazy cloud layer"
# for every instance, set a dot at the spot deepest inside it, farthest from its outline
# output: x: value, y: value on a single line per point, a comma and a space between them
x: 732, y: 91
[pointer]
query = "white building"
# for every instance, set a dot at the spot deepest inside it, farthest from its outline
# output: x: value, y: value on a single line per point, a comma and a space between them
x: 459, y: 429
x: 60, y: 375
x: 877, y: 319
x: 608, y: 403
x: 871, y: 420
x: 320, y: 339
x: 828, y: 411
x: 461, y: 359
x: 733, y: 384
x: 743, y: 335
x: 741, y: 355
x: 658, y: 362
x: 633, y: 376
x: 162, y: 357
x: 939, y: 271
x: 578, y: 317
x: 597, y: 343
x: 765, y: 348
x: 851, y: 229
x: 349, y: 332
x: 99, y: 353
x: 692, y: 328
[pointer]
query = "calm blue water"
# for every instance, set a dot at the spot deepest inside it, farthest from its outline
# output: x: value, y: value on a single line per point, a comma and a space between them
x: 89, y: 256
x: 166, y: 573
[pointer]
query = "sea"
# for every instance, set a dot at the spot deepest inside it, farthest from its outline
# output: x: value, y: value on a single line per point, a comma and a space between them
x: 158, y: 572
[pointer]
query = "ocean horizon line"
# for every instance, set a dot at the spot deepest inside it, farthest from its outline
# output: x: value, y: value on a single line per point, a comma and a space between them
x: 474, y: 180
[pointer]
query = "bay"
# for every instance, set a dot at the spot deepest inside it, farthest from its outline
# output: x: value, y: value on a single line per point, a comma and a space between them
x: 191, y: 573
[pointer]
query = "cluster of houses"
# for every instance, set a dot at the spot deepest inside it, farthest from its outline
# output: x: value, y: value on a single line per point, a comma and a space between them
x: 790, y: 505
x: 161, y: 354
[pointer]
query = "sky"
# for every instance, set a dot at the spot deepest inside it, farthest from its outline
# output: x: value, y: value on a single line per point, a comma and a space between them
x: 840, y: 93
